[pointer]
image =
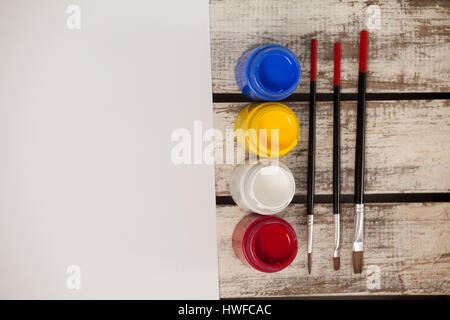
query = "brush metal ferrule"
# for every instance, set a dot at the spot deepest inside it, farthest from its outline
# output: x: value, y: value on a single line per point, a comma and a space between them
x: 337, y: 235
x: 310, y: 232
x: 358, y: 236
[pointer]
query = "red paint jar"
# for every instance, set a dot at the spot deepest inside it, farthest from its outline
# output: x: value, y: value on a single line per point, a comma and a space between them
x: 266, y: 243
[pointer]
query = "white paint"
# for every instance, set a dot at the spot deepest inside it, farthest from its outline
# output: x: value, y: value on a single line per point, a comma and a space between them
x: 272, y: 186
x: 373, y: 281
x: 265, y: 187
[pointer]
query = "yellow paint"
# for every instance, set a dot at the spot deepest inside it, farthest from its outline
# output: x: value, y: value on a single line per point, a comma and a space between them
x: 258, y: 125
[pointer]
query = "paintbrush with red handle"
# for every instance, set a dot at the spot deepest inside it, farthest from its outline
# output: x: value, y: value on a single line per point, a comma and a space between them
x: 358, y: 248
x: 336, y: 155
x: 311, y: 150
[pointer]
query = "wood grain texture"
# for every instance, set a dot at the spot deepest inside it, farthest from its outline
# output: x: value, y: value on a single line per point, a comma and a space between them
x: 407, y: 146
x: 409, y: 52
x: 407, y: 251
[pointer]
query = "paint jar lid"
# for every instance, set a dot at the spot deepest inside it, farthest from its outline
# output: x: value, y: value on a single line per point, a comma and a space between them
x: 273, y: 121
x: 270, y: 244
x: 274, y: 72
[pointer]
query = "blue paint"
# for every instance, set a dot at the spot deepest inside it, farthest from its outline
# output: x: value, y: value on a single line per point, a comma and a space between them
x: 271, y: 72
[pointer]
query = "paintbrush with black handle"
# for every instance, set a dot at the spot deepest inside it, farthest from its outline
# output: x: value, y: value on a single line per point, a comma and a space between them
x: 358, y: 236
x: 311, y: 150
x: 336, y: 155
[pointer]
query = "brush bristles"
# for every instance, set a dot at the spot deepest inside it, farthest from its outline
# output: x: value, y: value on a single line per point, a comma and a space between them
x: 336, y: 263
x: 357, y: 261
x: 309, y: 262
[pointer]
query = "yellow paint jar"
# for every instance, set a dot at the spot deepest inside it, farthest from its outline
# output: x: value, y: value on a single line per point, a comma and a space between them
x: 269, y: 129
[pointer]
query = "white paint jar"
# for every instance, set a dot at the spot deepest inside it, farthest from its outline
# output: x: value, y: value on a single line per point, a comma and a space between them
x: 265, y: 187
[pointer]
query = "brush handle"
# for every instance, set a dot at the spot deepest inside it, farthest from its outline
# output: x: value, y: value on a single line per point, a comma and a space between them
x: 336, y: 129
x: 336, y: 149
x: 312, y: 129
x: 311, y: 148
x: 361, y: 120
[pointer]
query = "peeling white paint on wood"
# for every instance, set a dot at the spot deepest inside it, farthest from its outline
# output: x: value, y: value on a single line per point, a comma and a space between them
x: 408, y: 142
x: 409, y: 243
x: 373, y: 277
x: 408, y: 53
x: 407, y: 146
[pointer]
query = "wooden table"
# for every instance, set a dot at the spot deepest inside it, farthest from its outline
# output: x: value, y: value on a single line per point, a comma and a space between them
x: 407, y: 227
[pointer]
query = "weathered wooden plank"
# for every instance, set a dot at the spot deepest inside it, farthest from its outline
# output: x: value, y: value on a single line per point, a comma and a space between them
x: 409, y: 52
x: 407, y: 146
x: 407, y: 251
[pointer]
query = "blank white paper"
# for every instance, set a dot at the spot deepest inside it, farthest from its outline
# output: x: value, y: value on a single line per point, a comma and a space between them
x: 91, y: 204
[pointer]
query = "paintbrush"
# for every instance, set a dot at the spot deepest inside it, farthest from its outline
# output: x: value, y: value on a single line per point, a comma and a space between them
x: 336, y: 155
x: 359, y: 157
x: 311, y: 150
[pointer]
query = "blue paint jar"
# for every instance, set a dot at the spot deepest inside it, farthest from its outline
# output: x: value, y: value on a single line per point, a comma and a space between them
x: 271, y: 72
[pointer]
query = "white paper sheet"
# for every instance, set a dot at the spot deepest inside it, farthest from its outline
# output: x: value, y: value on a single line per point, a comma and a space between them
x: 91, y: 205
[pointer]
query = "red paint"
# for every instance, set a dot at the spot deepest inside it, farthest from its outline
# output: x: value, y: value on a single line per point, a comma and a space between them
x: 266, y: 243
x: 337, y: 64
x: 313, y: 59
x: 363, y: 52
x: 272, y: 244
